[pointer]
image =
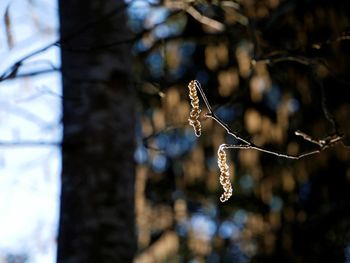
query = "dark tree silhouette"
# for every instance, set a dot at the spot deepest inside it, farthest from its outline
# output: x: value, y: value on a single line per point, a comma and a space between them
x: 97, y: 198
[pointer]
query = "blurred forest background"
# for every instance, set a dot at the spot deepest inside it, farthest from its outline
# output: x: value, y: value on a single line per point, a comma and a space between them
x: 269, y: 68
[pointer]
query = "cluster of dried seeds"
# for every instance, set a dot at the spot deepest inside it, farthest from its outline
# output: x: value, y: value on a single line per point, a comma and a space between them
x: 195, y: 111
x: 194, y: 122
x: 224, y: 175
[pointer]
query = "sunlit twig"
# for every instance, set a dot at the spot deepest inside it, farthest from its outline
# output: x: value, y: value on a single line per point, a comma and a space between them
x: 322, y: 143
x: 224, y: 177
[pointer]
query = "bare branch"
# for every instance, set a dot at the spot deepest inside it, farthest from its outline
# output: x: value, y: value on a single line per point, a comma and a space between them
x: 322, y: 143
x: 29, y: 74
x: 345, y: 36
x: 188, y: 8
x: 29, y: 144
x: 283, y: 56
x: 260, y: 149
x: 247, y: 145
x: 276, y: 57
x: 212, y: 115
x: 204, y: 19
x: 11, y: 71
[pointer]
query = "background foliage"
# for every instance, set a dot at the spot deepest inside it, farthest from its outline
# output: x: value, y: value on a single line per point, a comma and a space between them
x: 269, y: 68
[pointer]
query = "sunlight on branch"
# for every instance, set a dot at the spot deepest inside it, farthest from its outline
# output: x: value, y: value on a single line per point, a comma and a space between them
x: 193, y: 86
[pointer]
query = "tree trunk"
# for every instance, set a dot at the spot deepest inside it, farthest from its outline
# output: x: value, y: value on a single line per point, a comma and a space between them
x: 97, y: 196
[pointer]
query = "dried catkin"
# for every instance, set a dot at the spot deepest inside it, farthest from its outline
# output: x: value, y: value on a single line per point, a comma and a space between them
x: 195, y: 111
x: 224, y: 175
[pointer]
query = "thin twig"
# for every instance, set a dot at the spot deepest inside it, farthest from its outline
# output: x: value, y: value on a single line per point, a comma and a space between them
x: 322, y: 143
x: 182, y: 6
x: 29, y: 144
x: 277, y: 57
x: 273, y: 58
x: 331, y: 41
x: 307, y: 137
x: 204, y: 19
x: 213, y: 116
x: 199, y: 87
x: 224, y: 169
x: 11, y: 71
x: 260, y: 149
x: 29, y: 74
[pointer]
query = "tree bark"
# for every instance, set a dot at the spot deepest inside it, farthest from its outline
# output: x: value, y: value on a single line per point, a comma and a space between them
x: 97, y: 196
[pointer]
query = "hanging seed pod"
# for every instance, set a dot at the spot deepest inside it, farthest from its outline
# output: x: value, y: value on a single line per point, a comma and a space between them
x: 195, y: 111
x: 224, y: 175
